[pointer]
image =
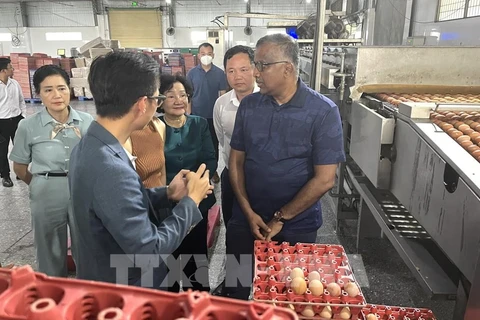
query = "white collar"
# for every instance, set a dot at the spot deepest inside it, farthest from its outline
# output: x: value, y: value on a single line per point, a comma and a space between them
x: 233, y: 95
x: 131, y: 157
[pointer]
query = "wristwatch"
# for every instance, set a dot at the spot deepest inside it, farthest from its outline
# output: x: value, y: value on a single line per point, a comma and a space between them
x: 279, y: 216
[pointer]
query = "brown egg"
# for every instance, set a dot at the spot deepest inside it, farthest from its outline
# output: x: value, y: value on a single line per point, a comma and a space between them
x: 456, y: 117
x: 456, y: 134
x: 472, y: 148
x: 466, y: 143
x: 474, y: 124
x: 463, y: 127
x: 308, y: 312
x: 433, y: 115
x: 477, y: 128
x: 469, y: 122
x: 299, y: 285
x: 440, y: 117
x: 447, y: 126
x: 371, y: 316
x: 352, y: 289
x: 468, y: 131
x: 476, y: 140
x: 326, y: 313
x: 463, y: 138
x: 450, y: 131
x: 476, y: 153
x: 334, y: 289
x: 345, y: 313
x: 474, y: 134
x: 449, y: 115
x: 458, y: 124
x: 316, y: 287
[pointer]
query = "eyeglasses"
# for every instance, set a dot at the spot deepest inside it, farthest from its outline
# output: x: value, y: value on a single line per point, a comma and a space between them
x: 261, y: 65
x: 160, y: 98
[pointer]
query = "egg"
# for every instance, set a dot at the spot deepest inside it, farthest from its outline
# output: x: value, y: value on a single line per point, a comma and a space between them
x: 463, y: 127
x: 472, y: 148
x: 447, y: 126
x: 449, y: 115
x: 316, y: 287
x: 458, y: 124
x: 371, y: 316
x: 456, y: 134
x: 463, y: 138
x: 308, y: 312
x: 474, y: 124
x: 299, y: 285
x: 477, y: 128
x: 334, y: 289
x: 475, y: 134
x: 469, y: 122
x: 352, y: 289
x: 327, y: 313
x: 476, y: 153
x: 466, y: 143
x: 345, y: 313
x: 440, y: 117
x: 296, y: 272
x: 476, y: 140
x: 468, y: 131
x: 314, y: 275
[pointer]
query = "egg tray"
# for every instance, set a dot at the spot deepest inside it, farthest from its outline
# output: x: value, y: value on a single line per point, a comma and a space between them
x: 274, y: 261
x: 397, y: 98
x: 397, y: 313
x: 26, y: 295
x: 463, y: 127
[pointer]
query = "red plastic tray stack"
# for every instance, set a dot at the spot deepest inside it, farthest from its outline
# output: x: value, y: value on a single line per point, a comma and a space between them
x: 377, y: 312
x: 26, y: 295
x: 274, y: 262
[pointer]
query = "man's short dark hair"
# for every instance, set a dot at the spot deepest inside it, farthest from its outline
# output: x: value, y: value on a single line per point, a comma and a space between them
x: 118, y: 79
x: 4, y: 62
x: 205, y: 45
x: 236, y: 50
x: 46, y: 71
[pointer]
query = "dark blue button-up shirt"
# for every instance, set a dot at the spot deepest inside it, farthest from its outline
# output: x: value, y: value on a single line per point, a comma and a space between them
x: 282, y: 144
x: 206, y: 86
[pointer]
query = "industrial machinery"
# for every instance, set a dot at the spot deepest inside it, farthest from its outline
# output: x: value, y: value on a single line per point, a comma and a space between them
x: 406, y: 178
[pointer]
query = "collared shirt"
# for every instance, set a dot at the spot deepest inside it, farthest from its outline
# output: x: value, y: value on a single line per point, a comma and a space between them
x: 282, y: 144
x: 131, y: 157
x: 114, y: 215
x: 12, y: 102
x: 33, y: 143
x: 224, y: 113
x: 206, y: 87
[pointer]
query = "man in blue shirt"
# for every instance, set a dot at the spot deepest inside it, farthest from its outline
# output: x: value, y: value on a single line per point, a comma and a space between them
x: 209, y: 82
x: 286, y: 146
x: 119, y: 234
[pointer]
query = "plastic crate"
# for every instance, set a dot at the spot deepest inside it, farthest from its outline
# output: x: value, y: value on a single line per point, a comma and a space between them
x: 26, y: 295
x: 397, y: 313
x: 274, y: 261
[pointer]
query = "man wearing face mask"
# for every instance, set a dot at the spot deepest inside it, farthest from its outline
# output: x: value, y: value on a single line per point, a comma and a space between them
x: 209, y: 82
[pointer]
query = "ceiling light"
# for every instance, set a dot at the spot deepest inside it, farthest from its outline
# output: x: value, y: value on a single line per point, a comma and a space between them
x: 309, y: 1
x: 168, y: 1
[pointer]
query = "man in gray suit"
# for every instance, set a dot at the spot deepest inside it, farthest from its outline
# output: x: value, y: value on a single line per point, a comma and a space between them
x: 118, y: 234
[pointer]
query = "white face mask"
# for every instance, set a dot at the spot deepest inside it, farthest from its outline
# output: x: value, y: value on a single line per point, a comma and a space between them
x: 206, y: 60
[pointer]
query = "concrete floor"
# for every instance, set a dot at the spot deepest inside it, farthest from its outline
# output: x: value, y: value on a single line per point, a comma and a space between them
x: 382, y: 274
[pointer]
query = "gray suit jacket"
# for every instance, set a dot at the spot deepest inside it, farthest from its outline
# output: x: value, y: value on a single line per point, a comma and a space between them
x: 114, y: 215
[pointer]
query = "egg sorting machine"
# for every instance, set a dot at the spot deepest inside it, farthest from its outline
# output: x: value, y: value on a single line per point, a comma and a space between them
x: 415, y: 184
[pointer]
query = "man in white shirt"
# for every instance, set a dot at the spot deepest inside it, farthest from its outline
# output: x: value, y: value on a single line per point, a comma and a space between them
x: 12, y: 110
x: 239, y: 68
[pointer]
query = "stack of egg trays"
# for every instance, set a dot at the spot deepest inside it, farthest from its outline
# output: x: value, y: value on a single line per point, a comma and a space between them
x: 26, y: 295
x: 271, y: 284
x: 397, y: 313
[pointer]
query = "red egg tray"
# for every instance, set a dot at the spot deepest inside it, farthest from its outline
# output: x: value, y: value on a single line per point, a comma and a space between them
x: 26, y: 295
x: 397, y: 313
x: 274, y: 261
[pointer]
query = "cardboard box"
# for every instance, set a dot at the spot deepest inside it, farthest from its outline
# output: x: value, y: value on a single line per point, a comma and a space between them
x: 78, y: 92
x: 79, y: 82
x: 80, y: 62
x: 88, y: 93
x: 97, y: 52
x: 77, y: 72
x: 95, y: 43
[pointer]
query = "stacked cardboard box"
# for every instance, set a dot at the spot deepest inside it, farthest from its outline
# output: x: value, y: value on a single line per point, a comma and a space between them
x: 79, y: 80
x: 190, y: 61
x: 23, y: 74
